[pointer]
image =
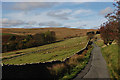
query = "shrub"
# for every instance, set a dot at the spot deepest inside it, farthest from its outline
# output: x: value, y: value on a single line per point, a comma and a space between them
x: 110, y: 30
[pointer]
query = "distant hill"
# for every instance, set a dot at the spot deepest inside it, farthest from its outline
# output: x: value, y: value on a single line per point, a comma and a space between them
x: 61, y: 33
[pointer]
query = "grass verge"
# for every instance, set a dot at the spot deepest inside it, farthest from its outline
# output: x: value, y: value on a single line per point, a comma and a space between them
x: 110, y: 54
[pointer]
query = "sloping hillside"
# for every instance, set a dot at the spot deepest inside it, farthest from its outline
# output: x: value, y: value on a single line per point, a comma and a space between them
x: 61, y: 33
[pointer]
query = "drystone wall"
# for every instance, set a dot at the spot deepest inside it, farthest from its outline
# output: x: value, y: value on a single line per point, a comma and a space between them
x: 33, y: 71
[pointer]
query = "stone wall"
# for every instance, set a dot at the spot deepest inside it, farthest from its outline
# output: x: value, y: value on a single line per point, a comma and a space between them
x: 33, y: 71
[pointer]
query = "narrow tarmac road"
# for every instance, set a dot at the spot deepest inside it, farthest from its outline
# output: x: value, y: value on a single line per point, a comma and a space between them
x: 98, y: 66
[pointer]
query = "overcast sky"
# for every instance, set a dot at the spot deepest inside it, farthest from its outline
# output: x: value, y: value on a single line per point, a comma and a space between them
x: 84, y: 15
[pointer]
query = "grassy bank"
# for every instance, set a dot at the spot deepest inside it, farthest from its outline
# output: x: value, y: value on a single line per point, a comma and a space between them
x: 55, y: 51
x: 72, y: 67
x: 110, y: 54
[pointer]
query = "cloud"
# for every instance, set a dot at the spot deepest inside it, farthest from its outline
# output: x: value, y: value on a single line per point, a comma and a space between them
x: 31, y: 16
x: 16, y: 15
x: 67, y: 14
x: 106, y: 11
x: 54, y: 17
x: 61, y: 14
x: 79, y: 27
x: 31, y: 22
x: 82, y: 11
x: 26, y: 6
x: 51, y: 18
x: 8, y: 23
x: 58, y: 0
x: 50, y: 24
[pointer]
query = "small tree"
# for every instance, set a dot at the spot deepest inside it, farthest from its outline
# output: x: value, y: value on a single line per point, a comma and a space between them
x: 50, y: 36
x: 111, y: 29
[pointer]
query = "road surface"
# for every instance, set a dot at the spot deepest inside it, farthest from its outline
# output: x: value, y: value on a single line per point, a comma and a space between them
x: 98, y: 66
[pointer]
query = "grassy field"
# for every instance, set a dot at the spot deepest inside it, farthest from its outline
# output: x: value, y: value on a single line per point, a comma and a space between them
x: 110, y: 54
x: 6, y: 34
x: 55, y: 51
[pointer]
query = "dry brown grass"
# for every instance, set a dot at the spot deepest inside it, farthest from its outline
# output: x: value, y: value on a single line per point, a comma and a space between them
x: 61, y: 33
x: 73, y: 61
x: 57, y: 69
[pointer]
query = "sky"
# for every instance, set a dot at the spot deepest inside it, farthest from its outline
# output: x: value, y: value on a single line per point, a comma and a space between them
x: 82, y: 15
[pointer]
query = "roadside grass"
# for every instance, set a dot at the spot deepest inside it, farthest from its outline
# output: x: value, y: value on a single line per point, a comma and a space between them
x: 54, y: 51
x: 69, y: 69
x: 110, y: 54
x: 100, y: 43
